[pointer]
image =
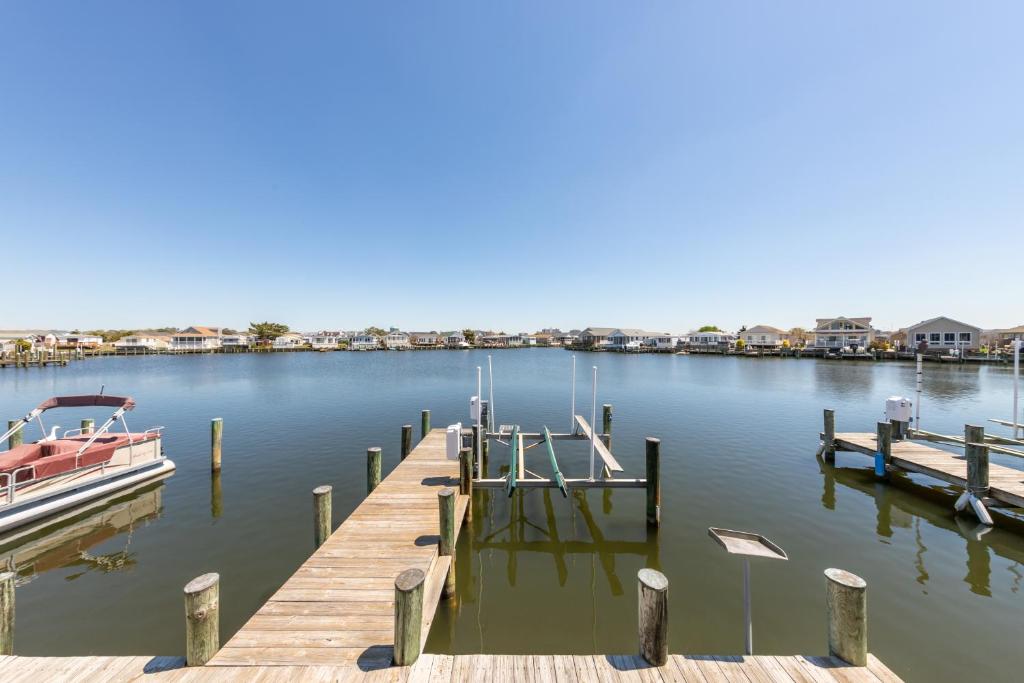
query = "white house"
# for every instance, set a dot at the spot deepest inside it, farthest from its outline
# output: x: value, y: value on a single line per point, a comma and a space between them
x: 196, y: 338
x: 662, y: 341
x: 325, y: 339
x: 837, y: 333
x: 763, y: 337
x: 86, y: 341
x: 289, y: 340
x: 943, y: 334
x: 624, y: 337
x: 143, y: 342
x: 424, y: 339
x: 364, y: 342
x: 712, y: 338
x: 455, y: 340
x: 396, y: 340
x: 237, y: 340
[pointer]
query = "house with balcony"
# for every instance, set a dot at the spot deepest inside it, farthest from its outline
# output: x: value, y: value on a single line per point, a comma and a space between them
x: 595, y: 336
x: 289, y: 340
x: 942, y: 335
x: 662, y: 341
x: 143, y: 342
x: 842, y: 332
x: 627, y: 338
x: 455, y: 340
x: 763, y: 337
x: 364, y: 341
x: 711, y: 340
x: 396, y: 340
x: 236, y: 341
x: 424, y: 340
x: 76, y: 340
x: 196, y: 338
x: 325, y: 339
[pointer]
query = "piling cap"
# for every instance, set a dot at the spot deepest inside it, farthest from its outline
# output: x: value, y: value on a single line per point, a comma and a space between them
x: 653, y: 579
x: 201, y: 583
x: 845, y: 578
x: 409, y: 579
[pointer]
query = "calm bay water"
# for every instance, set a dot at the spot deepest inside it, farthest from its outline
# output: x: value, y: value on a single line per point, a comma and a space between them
x: 537, y: 573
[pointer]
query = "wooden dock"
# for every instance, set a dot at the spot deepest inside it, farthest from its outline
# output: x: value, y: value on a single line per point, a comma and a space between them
x: 1006, y: 484
x: 464, y: 668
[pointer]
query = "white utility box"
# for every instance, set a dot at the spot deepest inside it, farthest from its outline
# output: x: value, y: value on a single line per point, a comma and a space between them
x: 474, y: 408
x: 453, y: 441
x: 898, y: 408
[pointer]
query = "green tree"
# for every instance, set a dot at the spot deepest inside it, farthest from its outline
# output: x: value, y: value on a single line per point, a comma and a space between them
x: 267, y: 331
x: 470, y: 335
x: 378, y: 332
x: 709, y: 328
x: 23, y: 345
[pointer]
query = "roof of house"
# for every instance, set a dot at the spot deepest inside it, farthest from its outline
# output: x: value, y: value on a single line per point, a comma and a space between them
x: 941, y: 317
x: 598, y: 331
x: 1013, y: 330
x: 199, y: 330
x: 862, y: 321
x: 765, y: 329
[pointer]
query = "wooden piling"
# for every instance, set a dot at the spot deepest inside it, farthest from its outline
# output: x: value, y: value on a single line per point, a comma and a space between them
x: 406, y: 441
x: 652, y: 587
x: 202, y: 619
x: 373, y: 468
x: 653, y: 481
x: 846, y: 599
x: 321, y: 514
x: 408, y: 616
x: 977, y: 460
x: 7, y: 613
x: 446, y: 539
x: 216, y: 433
x: 883, y: 437
x: 606, y: 414
x: 18, y: 437
x: 830, y: 435
x: 424, y: 423
x: 466, y: 478
x: 88, y: 425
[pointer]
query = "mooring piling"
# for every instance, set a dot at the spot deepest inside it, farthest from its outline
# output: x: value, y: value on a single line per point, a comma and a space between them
x: 88, y: 425
x: 466, y: 478
x: 977, y: 460
x: 7, y: 613
x: 373, y: 468
x: 424, y: 423
x: 606, y: 414
x: 321, y: 514
x: 846, y: 599
x: 202, y: 619
x: 652, y: 587
x: 830, y: 435
x: 17, y: 438
x: 446, y: 538
x: 883, y: 457
x: 653, y: 481
x: 408, y: 616
x: 216, y: 434
x: 406, y: 441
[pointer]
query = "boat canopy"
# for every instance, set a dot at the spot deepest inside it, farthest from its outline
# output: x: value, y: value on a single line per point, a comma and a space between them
x: 126, y: 402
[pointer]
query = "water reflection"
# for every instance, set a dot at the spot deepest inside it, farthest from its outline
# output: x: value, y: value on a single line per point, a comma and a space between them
x: 68, y: 540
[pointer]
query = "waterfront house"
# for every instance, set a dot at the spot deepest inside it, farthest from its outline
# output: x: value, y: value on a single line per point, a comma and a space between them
x: 1002, y: 338
x: 455, y: 340
x: 236, y: 340
x: 364, y: 341
x: 396, y: 340
x: 424, y: 340
x: 545, y: 339
x: 76, y: 340
x: 11, y: 337
x: 595, y: 336
x: 196, y: 338
x: 143, y: 342
x: 289, y: 340
x: 662, y: 341
x: 325, y: 339
x: 942, y: 334
x: 712, y: 340
x: 493, y: 340
x: 763, y: 337
x: 842, y: 332
x: 630, y: 338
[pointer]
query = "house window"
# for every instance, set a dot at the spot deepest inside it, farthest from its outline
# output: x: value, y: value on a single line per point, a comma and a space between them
x: 934, y: 337
x: 965, y: 336
x: 919, y: 337
x: 949, y: 338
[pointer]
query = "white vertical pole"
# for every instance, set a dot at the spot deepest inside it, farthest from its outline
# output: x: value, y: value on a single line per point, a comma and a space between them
x: 480, y: 432
x: 747, y: 617
x: 593, y: 422
x: 490, y: 386
x: 572, y: 406
x: 1016, y: 384
x: 917, y: 405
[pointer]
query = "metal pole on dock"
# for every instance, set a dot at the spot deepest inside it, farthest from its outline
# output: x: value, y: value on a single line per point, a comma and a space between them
x: 652, y: 587
x: 593, y: 423
x: 653, y: 481
x: 321, y: 514
x: 490, y: 397
x: 406, y: 441
x: 747, y: 615
x: 572, y: 402
x: 1016, y: 386
x: 202, y: 619
x: 373, y: 468
x: 216, y: 434
x: 846, y: 598
x: 408, y: 616
x: 477, y: 447
x: 917, y: 404
x: 446, y: 537
x: 424, y: 423
x: 7, y: 613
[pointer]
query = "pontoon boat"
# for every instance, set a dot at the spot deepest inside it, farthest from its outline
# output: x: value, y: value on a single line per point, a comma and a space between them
x: 56, y: 473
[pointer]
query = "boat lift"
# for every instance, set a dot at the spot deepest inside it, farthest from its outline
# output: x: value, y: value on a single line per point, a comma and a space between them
x: 519, y: 442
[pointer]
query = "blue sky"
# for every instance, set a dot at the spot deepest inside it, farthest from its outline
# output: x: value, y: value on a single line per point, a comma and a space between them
x: 513, y: 165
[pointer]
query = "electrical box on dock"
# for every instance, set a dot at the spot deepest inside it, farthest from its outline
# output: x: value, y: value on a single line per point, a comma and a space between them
x: 474, y: 408
x: 453, y: 441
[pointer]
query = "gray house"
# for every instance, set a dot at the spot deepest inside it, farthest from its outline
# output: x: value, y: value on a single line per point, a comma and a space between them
x: 943, y: 334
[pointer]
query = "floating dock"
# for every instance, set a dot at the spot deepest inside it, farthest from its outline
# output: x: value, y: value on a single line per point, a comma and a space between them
x: 339, y: 616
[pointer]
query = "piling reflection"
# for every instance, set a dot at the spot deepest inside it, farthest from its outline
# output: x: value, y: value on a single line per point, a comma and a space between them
x: 216, y: 501
x: 69, y: 540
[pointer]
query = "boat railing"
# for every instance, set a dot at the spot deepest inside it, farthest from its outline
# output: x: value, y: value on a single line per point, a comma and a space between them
x: 78, y: 431
x: 155, y: 430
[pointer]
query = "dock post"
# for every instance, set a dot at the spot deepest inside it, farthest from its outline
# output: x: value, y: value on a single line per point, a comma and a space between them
x: 406, y: 441
x: 88, y: 425
x: 653, y: 481
x: 652, y: 587
x: 18, y: 437
x: 846, y: 598
x: 408, y: 616
x: 321, y: 514
x: 216, y: 433
x: 446, y: 539
x: 7, y: 613
x: 466, y: 479
x: 977, y: 460
x: 424, y: 423
x: 373, y: 469
x: 607, y: 424
x: 202, y: 619
x: 883, y: 456
x: 830, y: 436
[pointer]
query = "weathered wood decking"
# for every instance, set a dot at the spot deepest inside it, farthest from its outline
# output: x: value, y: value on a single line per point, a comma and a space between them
x: 467, y: 668
x: 338, y: 607
x: 1006, y: 484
